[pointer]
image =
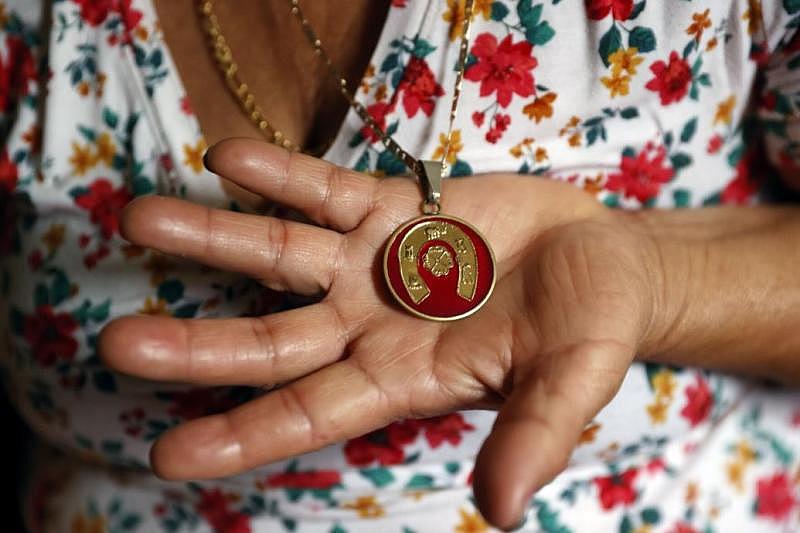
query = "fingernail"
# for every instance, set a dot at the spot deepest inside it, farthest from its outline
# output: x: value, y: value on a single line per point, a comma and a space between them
x: 526, y: 515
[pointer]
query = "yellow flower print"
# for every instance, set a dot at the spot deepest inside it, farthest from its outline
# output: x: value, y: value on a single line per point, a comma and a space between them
x: 658, y: 411
x: 365, y: 79
x: 725, y: 110
x: 81, y: 158
x: 140, y: 32
x: 692, y: 492
x: 541, y: 107
x: 540, y: 155
x: 745, y: 452
x: 158, y: 265
x: 735, y: 473
x: 575, y: 139
x: 594, y: 185
x: 617, y: 85
x: 366, y: 507
x: 85, y: 524
x: 381, y: 93
x: 626, y: 59
x: 105, y: 149
x: 589, y: 433
x: 100, y: 83
x: 754, y: 16
x: 455, y: 14
x: 700, y: 22
x: 471, y: 523
x: 644, y: 528
x: 193, y: 155
x: 517, y: 149
x: 83, y: 88
x: 664, y: 383
x: 455, y: 147
x: 711, y: 44
x: 53, y: 237
x: 159, y: 307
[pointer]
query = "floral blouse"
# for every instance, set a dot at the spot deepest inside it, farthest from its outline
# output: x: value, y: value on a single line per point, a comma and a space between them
x: 643, y: 103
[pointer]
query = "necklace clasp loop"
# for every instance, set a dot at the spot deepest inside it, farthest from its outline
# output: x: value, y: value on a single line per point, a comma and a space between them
x: 430, y: 177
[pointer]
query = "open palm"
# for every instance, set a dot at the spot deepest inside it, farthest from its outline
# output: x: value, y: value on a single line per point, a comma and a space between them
x: 548, y: 350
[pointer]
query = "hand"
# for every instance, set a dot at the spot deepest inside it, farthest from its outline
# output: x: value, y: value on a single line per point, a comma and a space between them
x: 573, y: 302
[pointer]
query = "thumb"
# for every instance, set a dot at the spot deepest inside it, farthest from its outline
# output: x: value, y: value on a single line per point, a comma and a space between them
x: 540, y: 424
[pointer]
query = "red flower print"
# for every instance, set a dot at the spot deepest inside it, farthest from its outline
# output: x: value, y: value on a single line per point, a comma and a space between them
x: 504, y: 68
x: 384, y: 445
x: 714, y: 144
x: 418, y: 87
x: 195, y: 403
x: 8, y: 172
x: 617, y: 489
x: 619, y: 9
x: 35, y: 260
x: 94, y: 12
x: 501, y: 123
x: 699, y: 402
x: 50, y: 335
x: 105, y: 204
x: 745, y: 184
x: 8, y: 210
x: 671, y: 79
x: 477, y: 118
x: 775, y: 497
x: 446, y: 428
x: 378, y: 112
x: 656, y: 465
x: 213, y: 506
x: 186, y: 106
x: 16, y: 72
x: 683, y: 527
x: 641, y: 176
x: 317, y: 479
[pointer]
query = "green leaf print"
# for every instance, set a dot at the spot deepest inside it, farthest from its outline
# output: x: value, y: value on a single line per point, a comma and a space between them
x: 171, y: 290
x: 110, y: 118
x: 643, y: 39
x: 380, y: 477
x: 499, y: 11
x: 688, y: 130
x: 419, y: 481
x: 610, y: 42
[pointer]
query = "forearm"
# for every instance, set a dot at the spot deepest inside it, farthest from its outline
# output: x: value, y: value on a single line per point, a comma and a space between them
x: 728, y: 289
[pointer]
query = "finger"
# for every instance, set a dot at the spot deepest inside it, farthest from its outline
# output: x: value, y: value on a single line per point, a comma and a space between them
x: 284, y: 255
x: 239, y: 351
x: 328, y: 194
x: 539, y: 426
x: 338, y: 402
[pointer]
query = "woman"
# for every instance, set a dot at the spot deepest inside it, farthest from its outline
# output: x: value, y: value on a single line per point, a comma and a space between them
x: 623, y: 349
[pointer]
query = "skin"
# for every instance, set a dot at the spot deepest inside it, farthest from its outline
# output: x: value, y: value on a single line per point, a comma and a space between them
x: 581, y: 291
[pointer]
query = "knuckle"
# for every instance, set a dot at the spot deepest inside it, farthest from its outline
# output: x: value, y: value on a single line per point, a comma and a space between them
x: 296, y: 407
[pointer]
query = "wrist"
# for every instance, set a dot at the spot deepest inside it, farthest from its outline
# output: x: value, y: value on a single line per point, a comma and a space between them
x: 675, y: 266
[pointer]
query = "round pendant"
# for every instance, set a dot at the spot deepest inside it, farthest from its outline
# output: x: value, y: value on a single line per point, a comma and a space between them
x: 439, y: 267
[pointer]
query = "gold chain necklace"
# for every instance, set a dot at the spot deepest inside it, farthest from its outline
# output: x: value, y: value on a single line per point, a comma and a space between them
x: 436, y: 266
x: 225, y: 61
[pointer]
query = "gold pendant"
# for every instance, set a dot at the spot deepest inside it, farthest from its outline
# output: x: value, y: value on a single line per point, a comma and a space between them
x: 439, y: 267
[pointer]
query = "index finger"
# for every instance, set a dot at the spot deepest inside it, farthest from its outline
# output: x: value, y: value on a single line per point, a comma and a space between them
x: 329, y: 195
x: 321, y: 409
